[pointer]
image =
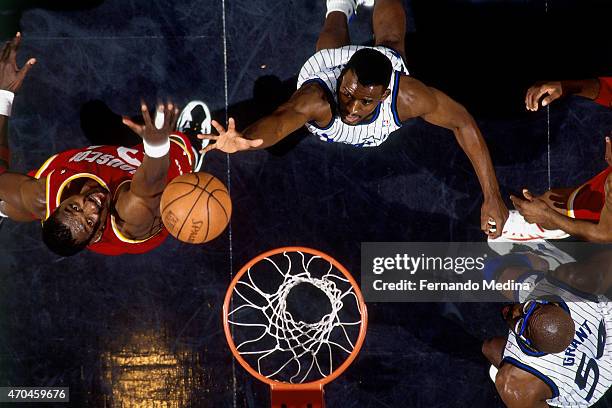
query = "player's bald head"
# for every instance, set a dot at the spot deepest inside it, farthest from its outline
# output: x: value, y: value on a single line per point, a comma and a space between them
x: 551, y: 329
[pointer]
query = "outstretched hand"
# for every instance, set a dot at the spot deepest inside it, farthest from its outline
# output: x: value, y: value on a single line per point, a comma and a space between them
x: 553, y: 89
x: 155, y: 133
x: 11, y: 77
x: 230, y: 140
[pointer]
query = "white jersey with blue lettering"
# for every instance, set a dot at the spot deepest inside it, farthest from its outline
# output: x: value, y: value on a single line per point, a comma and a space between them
x: 579, y: 376
x: 325, y: 67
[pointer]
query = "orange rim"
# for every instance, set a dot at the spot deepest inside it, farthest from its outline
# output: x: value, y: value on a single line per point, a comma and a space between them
x: 312, y: 384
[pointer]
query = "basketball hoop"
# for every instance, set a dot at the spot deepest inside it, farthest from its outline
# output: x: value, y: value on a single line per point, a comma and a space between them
x: 295, y: 319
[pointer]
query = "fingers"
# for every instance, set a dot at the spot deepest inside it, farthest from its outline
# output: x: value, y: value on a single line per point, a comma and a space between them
x: 6, y: 50
x: 495, y: 227
x: 255, y: 142
x: 174, y: 118
x: 136, y: 128
x: 518, y: 202
x: 209, y: 148
x: 527, y: 195
x: 608, y: 151
x: 537, y: 95
x: 490, y: 226
x: 208, y: 137
x: 218, y: 126
x: 532, y: 98
x: 145, y: 114
x: 484, y: 223
x: 169, y: 118
x: 553, y: 95
x: 231, y: 125
x: 26, y: 68
x: 529, y: 99
x: 14, y: 47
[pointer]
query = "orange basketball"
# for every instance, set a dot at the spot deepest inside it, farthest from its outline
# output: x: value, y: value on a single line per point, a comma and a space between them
x: 195, y: 207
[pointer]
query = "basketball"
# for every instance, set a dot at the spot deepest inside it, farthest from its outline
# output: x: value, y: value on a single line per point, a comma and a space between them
x: 195, y: 207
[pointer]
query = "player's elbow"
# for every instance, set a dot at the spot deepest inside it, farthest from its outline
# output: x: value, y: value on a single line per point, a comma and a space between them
x: 491, y: 353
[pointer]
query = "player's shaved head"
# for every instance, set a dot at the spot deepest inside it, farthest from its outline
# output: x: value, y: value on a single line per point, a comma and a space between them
x: 59, y: 237
x: 551, y: 329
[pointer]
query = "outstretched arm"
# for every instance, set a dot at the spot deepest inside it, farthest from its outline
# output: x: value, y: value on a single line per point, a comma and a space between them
x: 416, y: 99
x: 21, y: 196
x: 309, y: 103
x: 138, y: 206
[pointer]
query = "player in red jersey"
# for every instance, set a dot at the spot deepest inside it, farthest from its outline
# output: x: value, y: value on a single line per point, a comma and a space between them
x: 584, y: 211
x: 104, y: 198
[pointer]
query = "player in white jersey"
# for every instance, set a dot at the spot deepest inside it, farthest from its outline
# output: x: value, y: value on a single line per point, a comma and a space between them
x: 559, y: 348
x: 359, y: 95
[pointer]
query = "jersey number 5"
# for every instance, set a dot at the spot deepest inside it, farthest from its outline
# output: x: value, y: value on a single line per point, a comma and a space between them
x: 591, y: 365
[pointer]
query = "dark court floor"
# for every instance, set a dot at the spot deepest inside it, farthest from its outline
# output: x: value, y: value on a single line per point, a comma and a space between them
x: 135, y: 331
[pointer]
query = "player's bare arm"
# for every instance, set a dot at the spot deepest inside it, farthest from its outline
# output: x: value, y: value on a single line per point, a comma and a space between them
x: 538, y: 210
x: 520, y: 389
x: 21, y: 197
x: 309, y: 103
x: 553, y: 90
x: 138, y: 203
x: 493, y: 350
x: 417, y: 100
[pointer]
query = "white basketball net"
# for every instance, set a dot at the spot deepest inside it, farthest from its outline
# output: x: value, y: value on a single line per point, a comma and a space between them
x: 282, y: 348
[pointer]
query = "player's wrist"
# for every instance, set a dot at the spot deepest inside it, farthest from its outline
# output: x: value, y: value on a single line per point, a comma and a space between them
x: 6, y: 102
x: 157, y: 150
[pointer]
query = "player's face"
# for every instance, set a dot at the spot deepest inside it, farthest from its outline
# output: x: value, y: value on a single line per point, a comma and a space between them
x: 357, y: 102
x: 85, y: 213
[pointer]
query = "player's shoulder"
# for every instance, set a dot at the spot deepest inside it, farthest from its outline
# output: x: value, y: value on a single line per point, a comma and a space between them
x: 414, y: 97
x: 519, y: 388
x: 312, y: 97
x: 312, y: 89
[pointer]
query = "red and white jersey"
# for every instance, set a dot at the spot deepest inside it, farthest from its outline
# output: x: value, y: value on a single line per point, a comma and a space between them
x: 110, y: 166
x: 587, y: 201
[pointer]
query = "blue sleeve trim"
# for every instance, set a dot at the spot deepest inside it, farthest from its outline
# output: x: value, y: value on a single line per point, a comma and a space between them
x: 330, y: 96
x: 551, y: 384
x: 396, y: 117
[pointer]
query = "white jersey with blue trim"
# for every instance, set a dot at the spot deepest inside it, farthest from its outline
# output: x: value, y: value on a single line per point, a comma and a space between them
x: 580, y: 375
x: 325, y: 68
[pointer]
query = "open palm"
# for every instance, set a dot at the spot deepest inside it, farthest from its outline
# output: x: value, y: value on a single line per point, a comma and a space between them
x: 230, y: 140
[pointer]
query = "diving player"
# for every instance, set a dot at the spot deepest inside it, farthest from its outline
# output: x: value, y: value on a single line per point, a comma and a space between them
x: 360, y: 95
